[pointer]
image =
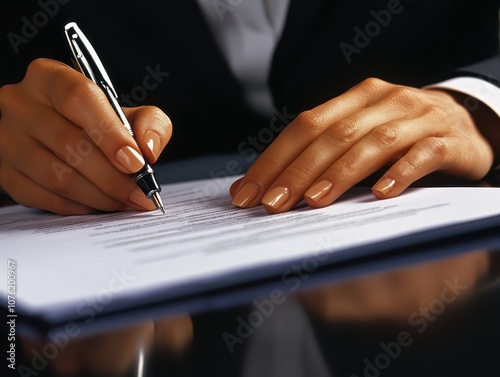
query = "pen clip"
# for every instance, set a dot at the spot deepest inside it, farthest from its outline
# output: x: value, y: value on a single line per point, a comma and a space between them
x: 86, y: 59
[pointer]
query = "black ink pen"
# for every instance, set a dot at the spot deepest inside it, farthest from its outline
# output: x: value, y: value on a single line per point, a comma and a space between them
x: 87, y: 62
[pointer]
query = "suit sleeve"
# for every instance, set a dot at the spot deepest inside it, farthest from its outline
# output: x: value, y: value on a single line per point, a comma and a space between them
x: 480, y: 81
x: 488, y: 70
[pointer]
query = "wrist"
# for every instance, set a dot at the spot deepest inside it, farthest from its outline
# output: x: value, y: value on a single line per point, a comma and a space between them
x: 486, y: 121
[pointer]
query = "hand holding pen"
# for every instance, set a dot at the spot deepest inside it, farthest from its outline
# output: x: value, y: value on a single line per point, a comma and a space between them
x: 88, y: 62
x: 64, y: 149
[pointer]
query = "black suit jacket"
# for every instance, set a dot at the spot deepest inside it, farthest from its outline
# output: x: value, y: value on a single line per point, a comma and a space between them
x: 327, y: 47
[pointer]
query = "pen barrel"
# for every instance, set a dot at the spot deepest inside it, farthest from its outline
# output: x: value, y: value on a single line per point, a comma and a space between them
x: 146, y: 181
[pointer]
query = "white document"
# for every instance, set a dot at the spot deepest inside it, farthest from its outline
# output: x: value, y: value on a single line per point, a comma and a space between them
x: 68, y: 265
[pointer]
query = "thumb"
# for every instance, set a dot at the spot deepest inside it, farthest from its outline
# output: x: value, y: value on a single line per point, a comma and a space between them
x: 152, y: 130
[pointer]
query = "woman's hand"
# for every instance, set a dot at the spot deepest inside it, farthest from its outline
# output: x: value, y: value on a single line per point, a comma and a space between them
x: 63, y: 148
x: 334, y: 146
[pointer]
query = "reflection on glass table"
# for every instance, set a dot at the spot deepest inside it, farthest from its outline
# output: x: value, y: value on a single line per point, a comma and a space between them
x: 434, y: 318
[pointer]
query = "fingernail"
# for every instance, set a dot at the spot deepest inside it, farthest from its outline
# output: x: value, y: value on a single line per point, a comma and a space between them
x: 276, y: 197
x: 319, y: 190
x: 246, y: 195
x: 384, y: 186
x: 152, y: 139
x: 130, y: 159
x: 138, y: 197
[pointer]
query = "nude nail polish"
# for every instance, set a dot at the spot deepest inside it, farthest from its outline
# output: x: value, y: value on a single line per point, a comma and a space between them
x: 153, y: 142
x: 246, y: 195
x: 277, y: 197
x: 384, y: 186
x: 130, y: 159
x: 319, y: 190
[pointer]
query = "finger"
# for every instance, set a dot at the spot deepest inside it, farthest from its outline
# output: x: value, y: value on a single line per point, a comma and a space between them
x: 152, y: 130
x: 80, y: 165
x: 234, y: 187
x: 426, y: 156
x: 376, y: 149
x: 300, y: 133
x: 54, y: 175
x: 377, y: 137
x: 27, y: 192
x: 83, y: 103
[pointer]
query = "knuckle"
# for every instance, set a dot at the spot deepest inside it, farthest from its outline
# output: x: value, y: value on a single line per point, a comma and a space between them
x: 41, y: 66
x: 10, y: 101
x: 73, y: 146
x: 268, y: 164
x: 265, y: 163
x: 85, y: 94
x: 386, y: 135
x: 348, y: 169
x: 439, y: 114
x: 61, y: 184
x: 405, y: 96
x: 113, y: 184
x: 37, y: 66
x: 370, y: 89
x: 373, y: 83
x: 6, y: 92
x: 310, y: 122
x: 406, y: 169
x: 80, y: 91
x: 301, y: 171
x: 346, y: 130
x: 437, y: 148
x: 106, y: 126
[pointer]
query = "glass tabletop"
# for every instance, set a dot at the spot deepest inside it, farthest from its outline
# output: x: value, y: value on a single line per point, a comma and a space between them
x: 431, y: 318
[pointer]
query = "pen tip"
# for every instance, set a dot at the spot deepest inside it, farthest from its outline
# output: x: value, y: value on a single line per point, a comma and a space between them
x: 156, y: 198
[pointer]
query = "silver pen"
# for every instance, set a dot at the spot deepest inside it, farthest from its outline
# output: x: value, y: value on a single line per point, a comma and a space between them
x: 86, y: 60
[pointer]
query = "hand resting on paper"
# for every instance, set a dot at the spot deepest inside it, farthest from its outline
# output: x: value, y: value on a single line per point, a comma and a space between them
x: 63, y: 149
x: 375, y: 125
